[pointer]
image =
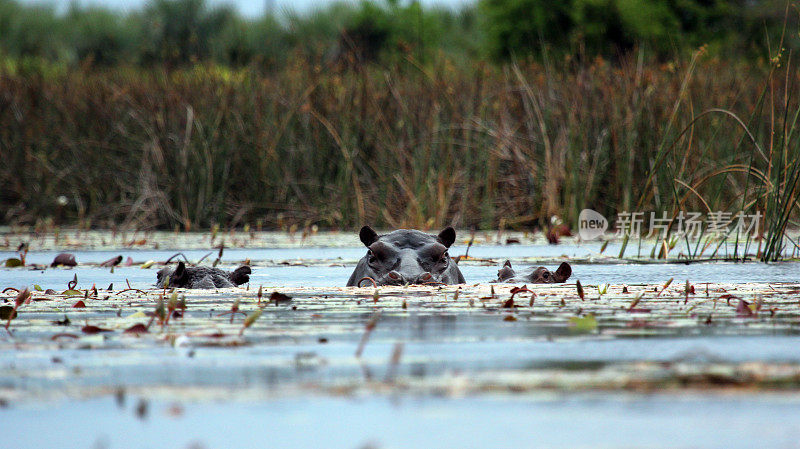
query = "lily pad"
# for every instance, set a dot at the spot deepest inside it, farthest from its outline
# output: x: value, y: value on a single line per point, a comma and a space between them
x: 13, y: 262
x: 586, y: 323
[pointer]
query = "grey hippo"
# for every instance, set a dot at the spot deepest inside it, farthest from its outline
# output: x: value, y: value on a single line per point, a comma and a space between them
x: 407, y: 256
x: 539, y: 275
x: 202, y: 277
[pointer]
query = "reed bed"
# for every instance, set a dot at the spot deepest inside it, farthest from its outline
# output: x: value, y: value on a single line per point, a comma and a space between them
x: 405, y: 144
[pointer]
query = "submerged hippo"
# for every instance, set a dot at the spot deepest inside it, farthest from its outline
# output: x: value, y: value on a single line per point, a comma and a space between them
x: 202, y: 277
x: 407, y: 257
x: 540, y: 275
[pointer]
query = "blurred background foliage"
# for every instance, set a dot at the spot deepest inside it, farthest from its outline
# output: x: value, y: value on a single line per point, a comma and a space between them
x: 180, y: 32
x: 501, y: 113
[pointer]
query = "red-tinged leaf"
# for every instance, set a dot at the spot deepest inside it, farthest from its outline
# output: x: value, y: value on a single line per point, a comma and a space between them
x: 22, y: 296
x: 639, y: 310
x: 743, y: 310
x: 638, y: 324
x: 580, y: 289
x: 64, y: 322
x: 508, y: 304
x: 129, y: 262
x: 63, y: 335
x: 79, y: 305
x: 7, y: 312
x: 50, y: 291
x: 90, y: 329
x: 64, y: 259
x: 509, y: 318
x: 112, y: 262
x: 277, y: 297
x: 137, y: 329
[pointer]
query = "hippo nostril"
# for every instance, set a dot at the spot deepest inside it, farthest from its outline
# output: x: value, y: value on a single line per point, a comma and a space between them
x: 395, y: 275
x: 424, y: 277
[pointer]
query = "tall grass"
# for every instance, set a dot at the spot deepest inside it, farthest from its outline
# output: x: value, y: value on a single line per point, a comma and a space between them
x: 405, y: 145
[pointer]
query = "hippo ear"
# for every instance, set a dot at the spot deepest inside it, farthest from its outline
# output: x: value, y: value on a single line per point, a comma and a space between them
x: 368, y: 236
x: 178, y: 274
x: 447, y: 236
x: 506, y: 272
x: 563, y: 273
x: 241, y: 275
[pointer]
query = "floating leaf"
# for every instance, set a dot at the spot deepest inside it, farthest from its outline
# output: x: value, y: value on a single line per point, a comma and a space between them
x: 510, y: 318
x: 22, y: 297
x: 580, y: 289
x: 72, y: 292
x: 148, y: 264
x: 587, y: 323
x: 602, y: 289
x: 91, y: 330
x: 7, y: 313
x: 79, y: 305
x: 743, y: 310
x: 112, y: 262
x: 13, y: 262
x: 136, y: 329
x: 279, y: 297
x: 37, y: 287
x: 64, y: 259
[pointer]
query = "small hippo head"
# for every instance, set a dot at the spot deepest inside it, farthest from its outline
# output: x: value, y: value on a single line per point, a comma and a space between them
x: 202, y: 277
x: 407, y: 257
x: 178, y: 277
x: 539, y: 275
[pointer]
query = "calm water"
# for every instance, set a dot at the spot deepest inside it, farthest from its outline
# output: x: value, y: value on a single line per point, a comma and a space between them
x: 591, y: 421
x: 279, y: 390
x: 320, y: 267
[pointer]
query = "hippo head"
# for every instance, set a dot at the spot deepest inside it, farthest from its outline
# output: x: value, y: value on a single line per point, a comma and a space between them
x: 178, y: 277
x: 539, y: 275
x: 407, y: 257
x: 202, y: 277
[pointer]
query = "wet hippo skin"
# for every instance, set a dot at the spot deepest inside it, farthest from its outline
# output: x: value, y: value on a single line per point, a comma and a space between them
x: 202, y: 277
x: 406, y: 256
x: 539, y: 275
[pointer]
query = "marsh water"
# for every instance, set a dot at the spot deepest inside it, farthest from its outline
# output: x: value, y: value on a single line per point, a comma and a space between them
x: 331, y: 266
x: 296, y: 383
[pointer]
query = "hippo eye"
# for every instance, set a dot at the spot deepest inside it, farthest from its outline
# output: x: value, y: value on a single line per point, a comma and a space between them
x: 372, y: 259
x: 546, y: 275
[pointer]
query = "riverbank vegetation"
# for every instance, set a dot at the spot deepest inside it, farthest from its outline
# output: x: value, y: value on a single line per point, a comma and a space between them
x: 183, y: 116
